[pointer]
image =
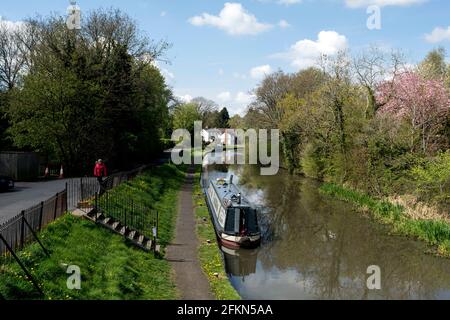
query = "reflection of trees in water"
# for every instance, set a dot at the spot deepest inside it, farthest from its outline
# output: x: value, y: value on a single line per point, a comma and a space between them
x: 331, y: 246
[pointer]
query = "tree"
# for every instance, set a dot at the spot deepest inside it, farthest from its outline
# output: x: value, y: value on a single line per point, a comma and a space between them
x: 434, y: 67
x: 224, y: 119
x: 425, y: 104
x: 185, y: 115
x: 271, y: 90
x: 371, y: 69
x: 90, y: 93
x: 236, y: 122
x: 12, y: 59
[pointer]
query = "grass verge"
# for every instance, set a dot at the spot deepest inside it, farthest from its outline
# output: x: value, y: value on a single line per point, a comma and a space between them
x: 110, y: 268
x: 435, y: 232
x: 210, y: 255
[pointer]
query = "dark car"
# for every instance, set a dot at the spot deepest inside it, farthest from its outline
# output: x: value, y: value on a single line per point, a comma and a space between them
x: 6, y: 183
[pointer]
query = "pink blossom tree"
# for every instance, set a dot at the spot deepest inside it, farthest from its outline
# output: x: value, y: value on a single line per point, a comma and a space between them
x: 424, y: 103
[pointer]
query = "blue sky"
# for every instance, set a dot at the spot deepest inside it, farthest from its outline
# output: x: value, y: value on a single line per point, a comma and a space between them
x: 222, y: 49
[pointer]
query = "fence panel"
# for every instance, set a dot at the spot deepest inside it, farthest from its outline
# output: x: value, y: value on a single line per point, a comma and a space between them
x: 17, y: 233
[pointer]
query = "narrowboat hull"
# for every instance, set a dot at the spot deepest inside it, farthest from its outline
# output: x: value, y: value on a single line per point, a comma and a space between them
x: 229, y: 239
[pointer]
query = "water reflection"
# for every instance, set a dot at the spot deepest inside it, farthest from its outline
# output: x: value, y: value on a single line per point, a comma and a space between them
x: 315, y: 247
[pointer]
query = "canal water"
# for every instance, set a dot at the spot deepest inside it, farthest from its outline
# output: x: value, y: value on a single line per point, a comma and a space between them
x: 316, y: 247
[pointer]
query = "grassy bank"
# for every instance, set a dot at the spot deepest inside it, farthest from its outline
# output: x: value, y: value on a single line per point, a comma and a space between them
x: 435, y: 232
x: 156, y: 190
x: 210, y: 255
x: 110, y: 269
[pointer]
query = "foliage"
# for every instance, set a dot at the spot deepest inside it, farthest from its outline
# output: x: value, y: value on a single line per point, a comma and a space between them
x: 224, y: 118
x: 185, y: 115
x: 433, y: 178
x: 89, y: 94
x: 425, y: 104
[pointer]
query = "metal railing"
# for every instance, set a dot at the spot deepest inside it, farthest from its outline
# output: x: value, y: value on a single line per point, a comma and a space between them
x: 18, y: 231
x: 82, y: 191
x: 23, y: 228
x: 133, y: 215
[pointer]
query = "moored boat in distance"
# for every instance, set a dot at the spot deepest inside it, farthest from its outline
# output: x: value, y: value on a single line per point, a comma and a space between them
x: 234, y: 218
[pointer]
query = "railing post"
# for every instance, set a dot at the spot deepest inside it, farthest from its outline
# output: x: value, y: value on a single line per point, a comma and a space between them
x: 56, y: 207
x: 81, y: 189
x: 41, y: 213
x: 157, y: 224
x: 96, y: 206
x: 29, y: 276
x: 35, y: 236
x: 66, y: 208
x: 22, y: 230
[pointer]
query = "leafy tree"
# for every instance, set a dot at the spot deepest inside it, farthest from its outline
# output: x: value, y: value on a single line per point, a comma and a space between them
x: 224, y: 118
x: 236, y: 122
x: 434, y: 67
x: 91, y: 93
x: 425, y: 104
x: 185, y: 115
x: 433, y: 178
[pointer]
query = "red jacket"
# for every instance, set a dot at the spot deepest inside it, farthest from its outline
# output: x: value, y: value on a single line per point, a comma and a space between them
x: 100, y: 170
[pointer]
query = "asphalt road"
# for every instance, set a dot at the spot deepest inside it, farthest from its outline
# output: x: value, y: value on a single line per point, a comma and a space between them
x: 26, y: 195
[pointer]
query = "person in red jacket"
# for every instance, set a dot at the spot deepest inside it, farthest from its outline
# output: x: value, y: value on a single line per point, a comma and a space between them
x: 100, y: 171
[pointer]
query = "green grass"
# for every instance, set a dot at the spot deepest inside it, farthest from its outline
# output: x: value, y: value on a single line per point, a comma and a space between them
x: 435, y: 232
x: 157, y: 190
x: 110, y: 268
x: 209, y: 253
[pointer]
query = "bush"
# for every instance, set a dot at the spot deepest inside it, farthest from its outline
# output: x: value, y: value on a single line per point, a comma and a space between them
x: 433, y: 179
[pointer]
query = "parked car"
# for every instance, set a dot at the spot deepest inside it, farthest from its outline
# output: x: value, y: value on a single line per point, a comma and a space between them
x: 6, y: 183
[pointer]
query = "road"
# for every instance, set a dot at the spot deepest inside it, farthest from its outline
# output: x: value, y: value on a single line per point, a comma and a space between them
x: 27, y: 194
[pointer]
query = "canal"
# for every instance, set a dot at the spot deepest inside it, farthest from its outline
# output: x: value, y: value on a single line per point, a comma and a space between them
x: 316, y: 247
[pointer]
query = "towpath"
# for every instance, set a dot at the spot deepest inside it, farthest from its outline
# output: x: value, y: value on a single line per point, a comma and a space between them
x: 183, y: 253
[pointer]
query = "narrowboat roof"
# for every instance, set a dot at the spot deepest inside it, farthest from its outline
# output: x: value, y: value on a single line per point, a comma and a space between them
x: 229, y: 191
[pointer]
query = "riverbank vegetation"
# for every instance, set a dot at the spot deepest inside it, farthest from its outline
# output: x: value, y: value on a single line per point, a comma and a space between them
x: 110, y: 268
x: 435, y: 232
x: 209, y: 253
x: 369, y: 122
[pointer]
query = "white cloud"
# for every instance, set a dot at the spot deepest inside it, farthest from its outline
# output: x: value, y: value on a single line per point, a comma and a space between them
x: 438, y: 35
x: 288, y: 2
x: 233, y: 19
x: 11, y: 25
x: 224, y: 96
x: 283, y: 24
x: 221, y: 72
x: 305, y: 53
x: 185, y: 98
x: 244, y: 98
x: 381, y: 3
x: 163, y: 14
x: 261, y: 71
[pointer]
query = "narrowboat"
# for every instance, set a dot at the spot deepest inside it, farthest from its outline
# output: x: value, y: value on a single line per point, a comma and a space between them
x: 234, y: 219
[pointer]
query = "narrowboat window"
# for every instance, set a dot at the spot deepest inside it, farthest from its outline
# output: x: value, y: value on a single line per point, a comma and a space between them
x: 251, y: 220
x: 232, y: 222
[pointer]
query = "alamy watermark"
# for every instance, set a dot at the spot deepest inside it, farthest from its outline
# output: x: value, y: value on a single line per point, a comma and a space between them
x: 74, y: 280
x: 73, y: 21
x: 258, y: 147
x: 374, y: 20
x: 374, y: 280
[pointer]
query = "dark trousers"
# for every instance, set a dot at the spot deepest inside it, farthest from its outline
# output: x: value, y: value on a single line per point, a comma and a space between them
x: 101, y: 186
